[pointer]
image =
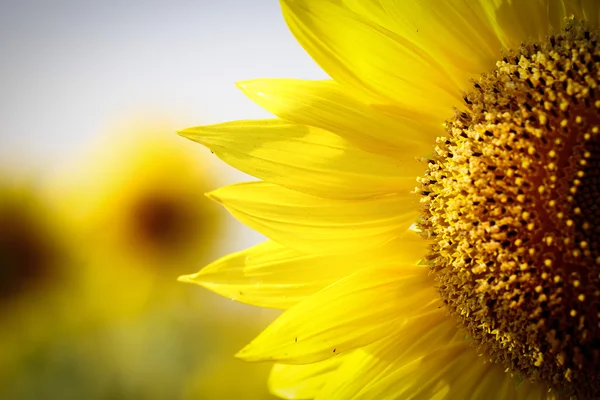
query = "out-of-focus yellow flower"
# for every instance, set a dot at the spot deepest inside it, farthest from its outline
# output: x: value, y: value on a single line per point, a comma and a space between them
x: 33, y: 272
x: 133, y: 218
x: 139, y: 210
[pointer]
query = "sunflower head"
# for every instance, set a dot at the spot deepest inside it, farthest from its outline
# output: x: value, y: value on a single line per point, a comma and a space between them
x: 161, y: 222
x: 144, y: 202
x: 511, y: 202
x: 138, y: 217
x: 505, y: 303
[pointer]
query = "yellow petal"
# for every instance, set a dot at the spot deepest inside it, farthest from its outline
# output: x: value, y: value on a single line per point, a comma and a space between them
x: 517, y: 22
x: 427, y: 358
x: 326, y: 105
x: 457, y: 34
x: 370, y: 60
x: 467, y: 36
x: 302, y: 381
x: 423, y: 378
x: 353, y: 312
x: 306, y: 159
x: 313, y: 224
x: 421, y: 334
x: 453, y: 372
x: 270, y: 275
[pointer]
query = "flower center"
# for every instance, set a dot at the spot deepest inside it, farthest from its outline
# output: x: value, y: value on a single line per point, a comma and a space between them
x: 162, y: 222
x: 512, y: 204
x: 27, y: 253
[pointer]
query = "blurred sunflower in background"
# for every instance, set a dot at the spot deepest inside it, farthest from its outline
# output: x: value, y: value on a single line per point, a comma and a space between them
x: 34, y: 272
x: 484, y: 281
x: 106, y: 317
x: 141, y: 211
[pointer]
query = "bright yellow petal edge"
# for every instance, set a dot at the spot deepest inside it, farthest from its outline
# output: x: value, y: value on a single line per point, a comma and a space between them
x: 337, y: 199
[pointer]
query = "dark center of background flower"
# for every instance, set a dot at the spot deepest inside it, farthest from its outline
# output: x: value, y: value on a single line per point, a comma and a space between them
x: 512, y: 204
x: 162, y: 222
x: 27, y: 253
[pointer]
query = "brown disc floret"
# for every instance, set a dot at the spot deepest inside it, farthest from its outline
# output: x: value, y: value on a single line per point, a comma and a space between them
x: 512, y: 204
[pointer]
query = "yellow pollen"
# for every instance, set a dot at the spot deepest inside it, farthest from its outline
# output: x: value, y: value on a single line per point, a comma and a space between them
x: 512, y: 206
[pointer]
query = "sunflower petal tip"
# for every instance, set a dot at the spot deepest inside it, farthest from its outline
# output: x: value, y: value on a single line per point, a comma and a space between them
x: 245, y: 354
x: 183, y: 133
x: 214, y: 197
x: 191, y: 133
x: 242, y: 85
x: 247, y: 86
x: 186, y: 278
x: 186, y: 131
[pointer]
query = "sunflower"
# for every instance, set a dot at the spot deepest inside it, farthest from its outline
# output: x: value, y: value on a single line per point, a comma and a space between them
x: 34, y: 271
x: 132, y: 219
x: 28, y: 247
x: 139, y: 212
x: 432, y: 210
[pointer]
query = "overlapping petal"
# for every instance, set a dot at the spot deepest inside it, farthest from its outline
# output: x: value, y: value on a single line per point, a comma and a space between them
x: 457, y: 34
x: 427, y: 358
x: 452, y: 372
x: 467, y: 37
x: 271, y: 275
x: 423, y: 378
x: 302, y: 381
x: 363, y: 367
x: 307, y: 159
x: 370, y: 60
x: 355, y: 311
x: 319, y: 225
x: 325, y: 104
x: 517, y: 22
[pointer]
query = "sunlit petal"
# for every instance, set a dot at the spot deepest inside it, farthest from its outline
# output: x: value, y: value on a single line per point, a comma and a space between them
x: 310, y: 224
x: 360, y: 309
x: 271, y: 275
x: 306, y: 159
